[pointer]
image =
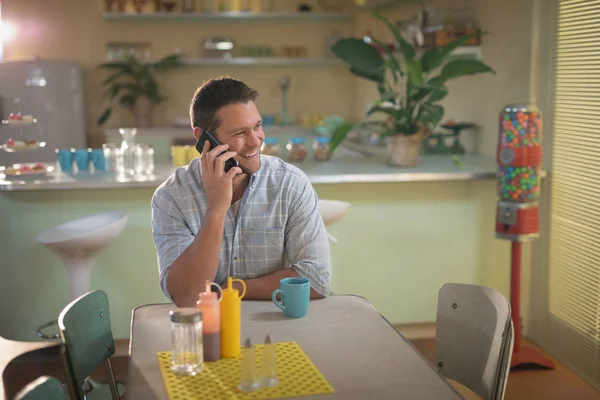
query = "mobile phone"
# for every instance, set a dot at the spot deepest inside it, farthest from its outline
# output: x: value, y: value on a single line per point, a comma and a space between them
x: 206, y: 135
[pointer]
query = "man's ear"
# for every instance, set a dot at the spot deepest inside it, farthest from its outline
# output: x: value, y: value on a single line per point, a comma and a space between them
x: 197, y: 133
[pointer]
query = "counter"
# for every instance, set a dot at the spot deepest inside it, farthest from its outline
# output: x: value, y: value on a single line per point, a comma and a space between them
x: 408, y: 231
x: 344, y: 168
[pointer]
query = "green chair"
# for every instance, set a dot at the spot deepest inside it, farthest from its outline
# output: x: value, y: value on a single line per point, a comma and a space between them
x: 85, y: 330
x: 43, y: 388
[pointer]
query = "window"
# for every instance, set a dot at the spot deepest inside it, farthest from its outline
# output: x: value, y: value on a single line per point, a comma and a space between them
x: 567, y: 321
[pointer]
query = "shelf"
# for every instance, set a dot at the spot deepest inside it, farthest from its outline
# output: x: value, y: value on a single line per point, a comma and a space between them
x: 462, y: 52
x: 263, y: 61
x: 467, y: 52
x: 240, y: 16
x: 372, y: 5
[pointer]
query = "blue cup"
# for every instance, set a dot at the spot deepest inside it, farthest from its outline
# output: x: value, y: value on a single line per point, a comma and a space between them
x: 65, y: 159
x: 295, y: 296
x: 98, y: 159
x: 82, y: 159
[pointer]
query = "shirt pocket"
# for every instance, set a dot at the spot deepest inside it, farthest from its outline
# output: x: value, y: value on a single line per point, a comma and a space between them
x: 262, y: 251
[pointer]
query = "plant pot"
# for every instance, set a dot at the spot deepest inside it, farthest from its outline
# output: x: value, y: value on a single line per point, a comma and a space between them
x: 404, y: 150
x: 142, y: 112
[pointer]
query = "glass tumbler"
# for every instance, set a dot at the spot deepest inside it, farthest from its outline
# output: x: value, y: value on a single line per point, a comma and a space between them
x: 187, y: 357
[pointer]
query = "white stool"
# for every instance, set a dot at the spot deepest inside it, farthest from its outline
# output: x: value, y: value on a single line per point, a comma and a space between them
x: 331, y: 212
x: 76, y: 243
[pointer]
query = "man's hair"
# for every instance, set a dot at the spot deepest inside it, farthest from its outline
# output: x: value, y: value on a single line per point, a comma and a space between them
x: 214, y: 94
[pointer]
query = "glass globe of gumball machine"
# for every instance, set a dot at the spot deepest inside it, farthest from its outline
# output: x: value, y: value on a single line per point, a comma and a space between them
x: 19, y: 126
x: 519, y: 158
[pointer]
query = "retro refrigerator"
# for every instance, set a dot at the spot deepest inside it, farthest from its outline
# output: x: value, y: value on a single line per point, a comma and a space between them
x: 50, y: 95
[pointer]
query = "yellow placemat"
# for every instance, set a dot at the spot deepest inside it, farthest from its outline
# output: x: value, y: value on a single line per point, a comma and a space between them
x: 219, y: 379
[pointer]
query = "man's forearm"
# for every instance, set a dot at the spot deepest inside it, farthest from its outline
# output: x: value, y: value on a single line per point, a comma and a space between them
x: 198, y: 263
x: 262, y: 288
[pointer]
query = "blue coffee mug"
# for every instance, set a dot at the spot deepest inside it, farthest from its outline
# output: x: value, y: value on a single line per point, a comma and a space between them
x: 295, y: 296
x: 98, y: 159
x: 65, y: 159
x: 82, y: 159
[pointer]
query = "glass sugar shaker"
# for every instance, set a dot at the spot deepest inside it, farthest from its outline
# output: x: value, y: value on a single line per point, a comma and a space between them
x: 187, y: 357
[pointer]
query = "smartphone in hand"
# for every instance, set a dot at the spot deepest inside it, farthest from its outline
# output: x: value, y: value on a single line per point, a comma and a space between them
x: 206, y: 135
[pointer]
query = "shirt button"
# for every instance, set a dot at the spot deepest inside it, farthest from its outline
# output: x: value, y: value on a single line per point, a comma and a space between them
x: 235, y: 258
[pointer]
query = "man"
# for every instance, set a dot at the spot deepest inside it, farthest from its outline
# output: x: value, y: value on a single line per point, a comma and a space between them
x: 259, y: 222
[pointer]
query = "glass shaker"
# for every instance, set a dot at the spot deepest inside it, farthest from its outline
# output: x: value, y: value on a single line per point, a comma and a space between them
x: 144, y: 159
x: 270, y: 147
x: 111, y: 155
x: 321, y: 149
x: 297, y: 150
x: 128, y: 153
x: 187, y: 357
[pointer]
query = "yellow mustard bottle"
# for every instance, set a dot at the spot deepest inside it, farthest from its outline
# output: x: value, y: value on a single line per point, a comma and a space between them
x: 231, y: 319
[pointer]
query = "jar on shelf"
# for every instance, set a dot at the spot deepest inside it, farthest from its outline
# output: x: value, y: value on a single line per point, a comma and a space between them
x: 270, y: 147
x: 321, y: 149
x: 297, y: 150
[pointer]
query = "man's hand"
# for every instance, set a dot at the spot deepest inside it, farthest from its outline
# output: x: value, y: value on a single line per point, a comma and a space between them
x: 217, y: 183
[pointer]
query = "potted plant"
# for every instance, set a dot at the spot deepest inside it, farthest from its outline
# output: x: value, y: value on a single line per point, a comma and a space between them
x: 410, y: 86
x: 133, y: 85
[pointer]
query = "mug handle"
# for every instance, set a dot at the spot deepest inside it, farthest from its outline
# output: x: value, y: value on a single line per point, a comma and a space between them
x: 243, y: 285
x: 274, y: 298
x: 220, y: 295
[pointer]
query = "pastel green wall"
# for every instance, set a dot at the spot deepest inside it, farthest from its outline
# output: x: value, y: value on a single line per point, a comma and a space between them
x: 397, y: 245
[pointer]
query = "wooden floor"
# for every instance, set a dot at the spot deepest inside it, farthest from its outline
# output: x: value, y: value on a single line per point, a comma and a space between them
x: 557, y: 384
x: 533, y: 384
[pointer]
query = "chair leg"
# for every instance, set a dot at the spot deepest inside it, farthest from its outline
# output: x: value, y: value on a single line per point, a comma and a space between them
x: 71, y: 386
x: 114, y: 390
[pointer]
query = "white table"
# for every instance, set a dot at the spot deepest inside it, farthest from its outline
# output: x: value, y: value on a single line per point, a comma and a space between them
x: 357, y: 350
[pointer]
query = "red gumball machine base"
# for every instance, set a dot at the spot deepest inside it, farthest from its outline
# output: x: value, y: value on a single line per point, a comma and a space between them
x: 517, y: 222
x: 522, y: 357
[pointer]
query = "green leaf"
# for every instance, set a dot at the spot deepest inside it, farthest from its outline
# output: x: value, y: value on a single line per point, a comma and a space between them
x: 112, y: 78
x: 407, y: 50
x: 104, y: 116
x: 414, y: 72
x: 423, y: 91
x: 169, y: 62
x: 461, y: 67
x: 339, y: 134
x: 435, y: 57
x: 372, y: 76
x: 123, y: 67
x: 360, y: 55
x: 391, y: 63
x: 127, y: 100
x: 438, y: 94
x: 379, y: 109
x: 430, y: 114
x: 113, y: 90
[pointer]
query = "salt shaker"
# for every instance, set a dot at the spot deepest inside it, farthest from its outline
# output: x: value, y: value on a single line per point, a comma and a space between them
x: 248, y: 379
x: 187, y: 357
x: 269, y: 370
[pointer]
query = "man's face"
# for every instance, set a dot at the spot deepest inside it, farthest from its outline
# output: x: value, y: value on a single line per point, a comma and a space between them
x: 241, y: 129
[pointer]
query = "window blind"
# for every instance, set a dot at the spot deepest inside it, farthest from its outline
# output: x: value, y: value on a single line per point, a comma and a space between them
x: 574, y: 251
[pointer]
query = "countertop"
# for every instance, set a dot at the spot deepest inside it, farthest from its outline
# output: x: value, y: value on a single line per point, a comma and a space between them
x: 347, y: 169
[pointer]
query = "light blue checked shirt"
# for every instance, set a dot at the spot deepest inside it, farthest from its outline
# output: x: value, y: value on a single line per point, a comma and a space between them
x: 278, y: 225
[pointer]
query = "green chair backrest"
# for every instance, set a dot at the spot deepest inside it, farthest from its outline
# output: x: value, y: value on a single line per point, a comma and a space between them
x: 85, y: 330
x: 43, y: 388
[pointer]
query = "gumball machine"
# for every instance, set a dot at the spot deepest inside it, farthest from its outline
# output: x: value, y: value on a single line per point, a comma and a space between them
x: 519, y: 158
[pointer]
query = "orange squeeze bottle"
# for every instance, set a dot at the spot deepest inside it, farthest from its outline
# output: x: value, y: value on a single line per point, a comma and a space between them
x: 208, y: 304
